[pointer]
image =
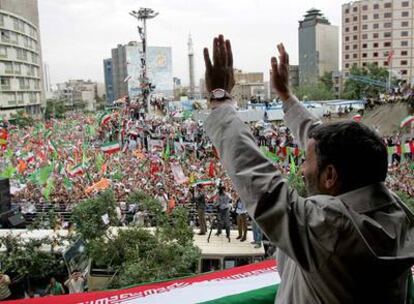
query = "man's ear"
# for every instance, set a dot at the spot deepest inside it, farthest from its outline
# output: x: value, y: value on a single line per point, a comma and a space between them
x: 330, y: 179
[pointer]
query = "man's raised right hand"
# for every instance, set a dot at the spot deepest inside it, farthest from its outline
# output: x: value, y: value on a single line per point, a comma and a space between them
x: 280, y: 73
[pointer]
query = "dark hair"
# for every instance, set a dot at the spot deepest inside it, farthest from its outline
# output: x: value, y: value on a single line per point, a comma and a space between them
x: 356, y: 151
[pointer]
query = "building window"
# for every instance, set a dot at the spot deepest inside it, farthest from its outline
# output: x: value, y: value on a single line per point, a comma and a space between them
x: 404, y: 23
x: 403, y: 62
x: 387, y: 15
x: 375, y: 35
x: 346, y: 29
x: 404, y: 53
x: 375, y: 45
x: 355, y: 37
x: 387, y: 44
x: 375, y: 54
x: 364, y: 55
x: 346, y: 56
x: 355, y: 28
x: 1, y: 20
x: 34, y: 58
x: 347, y: 11
x: 347, y: 38
x: 364, y: 36
x: 404, y: 43
x: 376, y: 6
x: 5, y: 36
x: 3, y: 52
x: 403, y: 72
x: 355, y: 56
x: 387, y: 34
x: 17, y: 68
x: 355, y: 18
x: 375, y: 63
x: 365, y: 45
x: 346, y: 65
x: 346, y: 47
x: 5, y: 83
x: 365, y: 26
x: 376, y: 16
x: 385, y: 63
x: 364, y: 64
x: 405, y: 14
x: 355, y: 9
x: 365, y: 17
x: 365, y: 7
x: 388, y: 5
x: 405, y: 4
x: 346, y: 20
x: 404, y: 34
x: 387, y: 24
x: 8, y: 67
x: 355, y: 46
x: 375, y: 26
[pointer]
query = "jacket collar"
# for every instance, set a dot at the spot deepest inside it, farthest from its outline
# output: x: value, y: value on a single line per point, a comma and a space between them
x: 368, y: 198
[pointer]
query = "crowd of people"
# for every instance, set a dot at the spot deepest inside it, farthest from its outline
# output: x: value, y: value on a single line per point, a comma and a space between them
x: 62, y: 162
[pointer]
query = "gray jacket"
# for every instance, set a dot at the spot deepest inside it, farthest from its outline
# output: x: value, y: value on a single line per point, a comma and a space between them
x: 354, y: 248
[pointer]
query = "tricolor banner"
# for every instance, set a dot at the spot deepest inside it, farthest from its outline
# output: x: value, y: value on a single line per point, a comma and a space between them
x: 406, y: 121
x: 255, y: 283
x: 111, y: 147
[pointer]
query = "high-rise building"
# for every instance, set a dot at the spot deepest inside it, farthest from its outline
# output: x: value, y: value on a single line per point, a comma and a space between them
x: 21, y: 70
x: 191, y: 68
x: 109, y: 81
x: 379, y: 32
x: 127, y: 67
x: 318, y: 47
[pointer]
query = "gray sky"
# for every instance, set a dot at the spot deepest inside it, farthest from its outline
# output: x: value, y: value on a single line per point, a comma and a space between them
x: 78, y: 34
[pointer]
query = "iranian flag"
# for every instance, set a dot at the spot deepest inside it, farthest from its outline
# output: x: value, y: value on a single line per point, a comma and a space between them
x: 205, y: 182
x: 406, y: 121
x: 77, y: 170
x: 105, y: 118
x: 111, y: 147
x: 255, y: 283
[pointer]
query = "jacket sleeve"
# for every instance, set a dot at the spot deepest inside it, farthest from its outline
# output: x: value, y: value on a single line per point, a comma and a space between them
x: 289, y: 221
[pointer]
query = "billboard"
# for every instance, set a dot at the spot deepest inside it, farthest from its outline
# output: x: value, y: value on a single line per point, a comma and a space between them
x: 159, y: 69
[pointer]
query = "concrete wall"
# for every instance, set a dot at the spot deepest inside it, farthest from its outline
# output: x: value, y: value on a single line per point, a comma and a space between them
x: 327, y: 44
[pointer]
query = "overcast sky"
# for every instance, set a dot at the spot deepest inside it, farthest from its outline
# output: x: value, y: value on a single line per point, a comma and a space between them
x: 78, y: 34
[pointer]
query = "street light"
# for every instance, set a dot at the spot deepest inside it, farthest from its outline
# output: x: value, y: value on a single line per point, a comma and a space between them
x: 142, y: 15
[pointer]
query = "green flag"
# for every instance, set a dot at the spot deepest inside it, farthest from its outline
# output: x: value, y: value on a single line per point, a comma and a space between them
x: 8, y: 172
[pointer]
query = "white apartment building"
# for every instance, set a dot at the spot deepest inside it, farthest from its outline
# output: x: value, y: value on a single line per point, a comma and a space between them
x: 374, y: 29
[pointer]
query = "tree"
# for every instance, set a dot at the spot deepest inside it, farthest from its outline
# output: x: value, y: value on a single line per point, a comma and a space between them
x: 327, y: 81
x: 22, y: 119
x: 357, y: 89
x: 55, y: 109
x: 314, y: 92
x: 136, y: 254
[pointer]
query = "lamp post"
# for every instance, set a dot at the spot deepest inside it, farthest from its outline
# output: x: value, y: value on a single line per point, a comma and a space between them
x: 142, y: 15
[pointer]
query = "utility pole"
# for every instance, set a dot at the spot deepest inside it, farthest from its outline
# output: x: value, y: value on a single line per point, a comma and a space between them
x: 142, y: 15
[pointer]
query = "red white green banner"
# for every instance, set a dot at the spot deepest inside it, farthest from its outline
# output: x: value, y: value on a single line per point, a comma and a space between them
x: 111, y: 147
x: 255, y: 283
x: 406, y: 121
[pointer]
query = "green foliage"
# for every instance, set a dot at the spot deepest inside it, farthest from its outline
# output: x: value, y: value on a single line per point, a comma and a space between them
x: 314, y: 92
x: 354, y: 89
x: 326, y: 81
x: 24, y: 259
x: 22, y: 119
x: 296, y: 182
x: 407, y: 199
x: 55, y: 109
x: 87, y: 215
x: 144, y: 256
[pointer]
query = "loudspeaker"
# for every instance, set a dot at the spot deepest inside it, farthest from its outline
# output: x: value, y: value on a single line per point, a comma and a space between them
x: 17, y: 221
x: 5, y: 198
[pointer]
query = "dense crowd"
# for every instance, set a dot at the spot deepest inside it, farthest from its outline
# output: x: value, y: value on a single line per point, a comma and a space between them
x: 63, y: 162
